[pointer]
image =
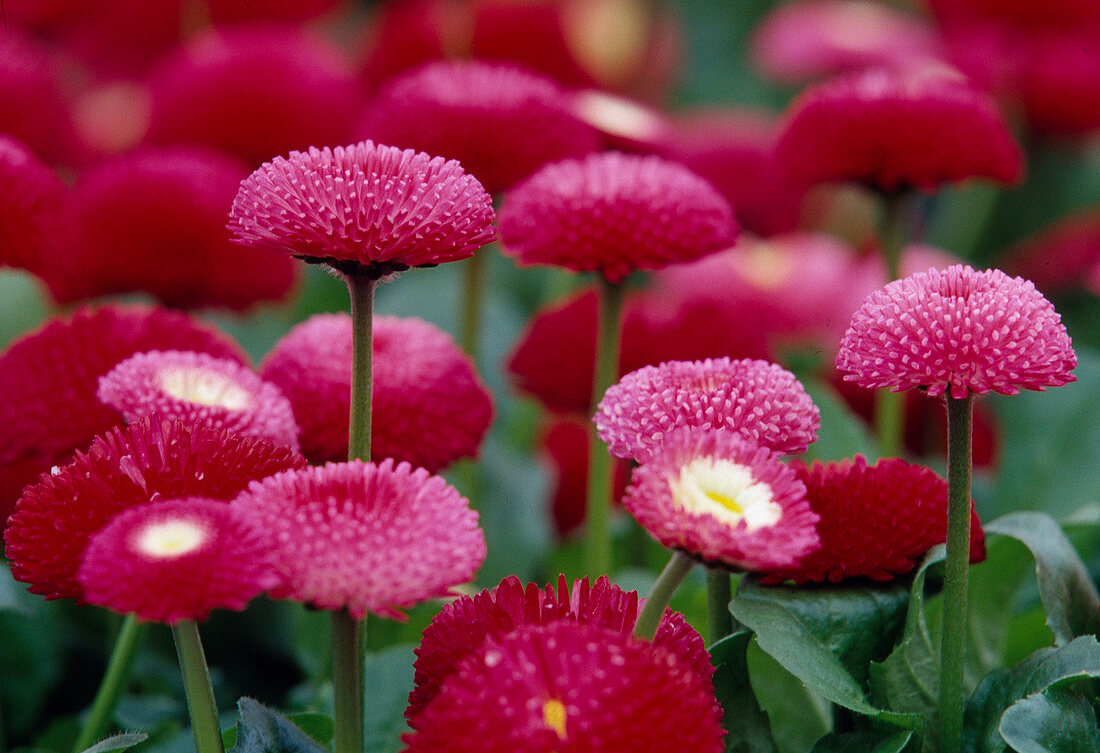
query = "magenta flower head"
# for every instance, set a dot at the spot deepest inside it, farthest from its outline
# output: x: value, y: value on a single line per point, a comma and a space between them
x: 1062, y: 256
x: 959, y: 331
x: 365, y: 537
x: 429, y: 408
x: 570, y: 687
x: 33, y: 210
x: 365, y: 209
x: 723, y: 499
x: 464, y: 625
x: 760, y: 400
x: 894, y: 131
x: 176, y: 560
x: 614, y: 213
x: 197, y: 388
x: 500, y: 121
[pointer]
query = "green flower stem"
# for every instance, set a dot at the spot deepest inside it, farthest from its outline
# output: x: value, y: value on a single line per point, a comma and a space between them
x: 960, y: 418
x: 347, y: 698
x: 678, y: 567
x: 598, y: 513
x: 893, y: 236
x: 196, y: 683
x: 361, y: 290
x: 719, y: 619
x: 127, y: 643
x: 889, y: 422
x: 475, y: 273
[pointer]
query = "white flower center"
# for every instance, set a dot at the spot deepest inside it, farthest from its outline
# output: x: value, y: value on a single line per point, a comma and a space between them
x: 204, y: 387
x: 726, y: 491
x: 172, y: 538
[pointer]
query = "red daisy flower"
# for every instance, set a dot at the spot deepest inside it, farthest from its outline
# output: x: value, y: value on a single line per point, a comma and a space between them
x: 33, y: 108
x: 176, y: 560
x: 365, y: 537
x: 151, y: 459
x: 568, y: 687
x: 960, y: 330
x: 282, y: 11
x: 33, y: 204
x: 723, y: 499
x: 613, y: 213
x: 877, y: 521
x: 429, y: 407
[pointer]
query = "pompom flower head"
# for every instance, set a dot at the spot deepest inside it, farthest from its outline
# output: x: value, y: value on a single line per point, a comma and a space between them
x: 570, y: 687
x: 614, y: 213
x: 724, y: 500
x: 758, y: 399
x: 367, y: 209
x: 176, y: 560
x: 429, y: 407
x: 33, y: 203
x: 958, y: 331
x: 198, y: 388
x: 501, y: 122
x: 365, y: 537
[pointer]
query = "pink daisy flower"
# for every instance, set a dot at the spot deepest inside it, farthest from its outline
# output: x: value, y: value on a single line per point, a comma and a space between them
x: 365, y: 208
x: 760, y: 400
x: 429, y: 408
x: 501, y: 122
x: 197, y: 388
x: 957, y: 330
x: 33, y: 204
x: 725, y: 500
x: 614, y: 213
x: 464, y: 625
x: 365, y: 537
x: 176, y: 560
x: 149, y: 460
x: 570, y: 687
x: 877, y: 521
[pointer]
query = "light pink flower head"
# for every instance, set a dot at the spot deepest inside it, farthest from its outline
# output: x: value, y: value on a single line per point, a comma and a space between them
x: 725, y: 500
x: 957, y: 330
x: 760, y: 400
x: 365, y: 208
x: 614, y: 213
x: 198, y: 388
x: 365, y: 537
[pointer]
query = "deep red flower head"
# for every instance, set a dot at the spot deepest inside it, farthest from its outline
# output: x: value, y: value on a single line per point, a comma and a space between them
x: 119, y: 38
x: 33, y: 209
x: 500, y: 122
x: 49, y: 378
x: 1062, y: 256
x: 149, y: 460
x: 877, y: 521
x: 197, y: 388
x: 957, y: 330
x: 723, y: 499
x: 1028, y: 14
x: 464, y: 625
x: 1059, y: 83
x: 430, y: 407
x: 283, y: 11
x: 613, y: 213
x: 176, y: 560
x: 370, y: 208
x: 760, y: 400
x: 893, y: 131
x: 254, y: 92
x: 154, y: 221
x: 570, y: 688
x: 33, y: 106
x: 365, y: 537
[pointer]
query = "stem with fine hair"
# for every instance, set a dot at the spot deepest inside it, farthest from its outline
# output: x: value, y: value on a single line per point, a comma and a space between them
x: 678, y: 567
x: 893, y: 235
x: 361, y: 291
x: 474, y: 271
x: 196, y: 684
x: 960, y: 416
x: 719, y: 619
x: 127, y: 643
x: 598, y: 512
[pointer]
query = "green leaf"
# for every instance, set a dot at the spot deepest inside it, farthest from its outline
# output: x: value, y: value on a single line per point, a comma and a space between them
x: 387, y: 680
x: 10, y: 593
x: 118, y: 742
x: 1056, y: 721
x: 264, y: 730
x: 1069, y: 596
x: 749, y: 730
x: 865, y: 741
x: 798, y: 716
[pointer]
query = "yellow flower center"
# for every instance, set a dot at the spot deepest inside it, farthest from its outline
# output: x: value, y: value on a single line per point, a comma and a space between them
x: 171, y: 538
x: 204, y: 387
x: 765, y: 266
x: 553, y: 714
x: 726, y: 491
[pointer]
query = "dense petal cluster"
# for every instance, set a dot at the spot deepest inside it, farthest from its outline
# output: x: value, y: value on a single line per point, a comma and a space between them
x: 723, y: 499
x: 429, y: 407
x: 198, y: 388
x: 760, y: 400
x: 501, y: 122
x: 33, y: 204
x: 465, y: 624
x: 570, y: 687
x: 960, y: 331
x: 176, y: 560
x: 365, y: 537
x: 614, y: 213
x: 366, y: 207
x: 877, y: 521
x: 149, y: 460
x: 894, y: 131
